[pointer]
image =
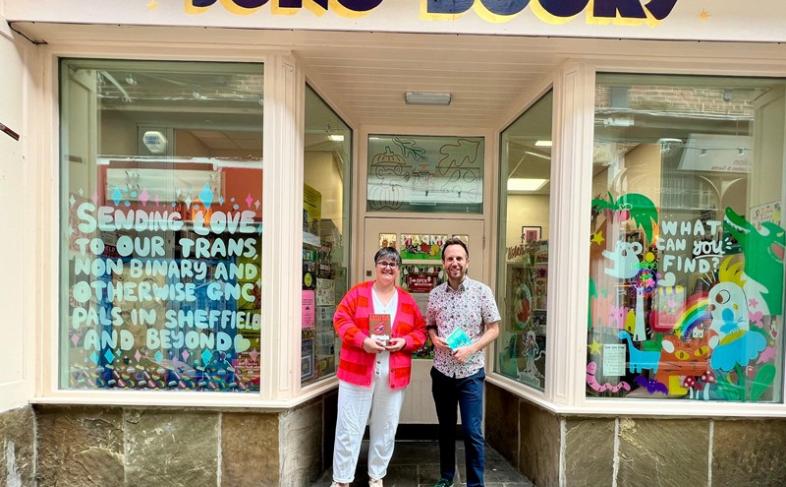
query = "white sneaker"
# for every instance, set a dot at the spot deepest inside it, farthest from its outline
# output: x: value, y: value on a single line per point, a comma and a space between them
x: 375, y: 483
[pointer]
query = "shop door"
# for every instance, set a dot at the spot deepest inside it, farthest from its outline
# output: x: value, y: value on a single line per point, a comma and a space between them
x: 418, y: 240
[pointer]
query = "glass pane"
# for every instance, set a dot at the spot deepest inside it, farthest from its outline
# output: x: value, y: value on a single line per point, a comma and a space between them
x: 686, y: 251
x: 326, y: 204
x: 161, y: 224
x: 523, y: 262
x: 425, y: 174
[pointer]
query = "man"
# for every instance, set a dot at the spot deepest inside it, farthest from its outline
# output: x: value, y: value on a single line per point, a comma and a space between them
x: 458, y: 375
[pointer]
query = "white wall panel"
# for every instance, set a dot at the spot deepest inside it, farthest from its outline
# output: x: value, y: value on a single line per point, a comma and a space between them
x: 18, y: 266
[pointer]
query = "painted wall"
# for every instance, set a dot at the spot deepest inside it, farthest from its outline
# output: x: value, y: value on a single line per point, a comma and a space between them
x: 643, y: 164
x: 17, y: 245
x: 768, y: 153
x: 529, y: 210
x: 321, y: 174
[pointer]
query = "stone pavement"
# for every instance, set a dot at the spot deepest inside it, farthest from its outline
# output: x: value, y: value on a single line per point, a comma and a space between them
x: 416, y: 464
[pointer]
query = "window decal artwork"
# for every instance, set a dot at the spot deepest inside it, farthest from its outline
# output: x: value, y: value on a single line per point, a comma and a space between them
x: 687, y: 238
x: 161, y: 178
x: 425, y: 174
x: 717, y: 341
x: 144, y: 317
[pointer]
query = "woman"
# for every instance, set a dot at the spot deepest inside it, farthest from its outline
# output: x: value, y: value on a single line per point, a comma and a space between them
x: 373, y: 370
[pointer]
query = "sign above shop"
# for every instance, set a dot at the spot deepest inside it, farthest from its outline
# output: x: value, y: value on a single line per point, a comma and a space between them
x: 726, y: 20
x: 550, y: 11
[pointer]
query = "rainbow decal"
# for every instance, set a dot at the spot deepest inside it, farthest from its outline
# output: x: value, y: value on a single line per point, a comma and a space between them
x: 694, y: 313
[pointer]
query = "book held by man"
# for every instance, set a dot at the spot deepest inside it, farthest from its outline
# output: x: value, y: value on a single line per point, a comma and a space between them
x: 457, y: 339
x: 379, y: 327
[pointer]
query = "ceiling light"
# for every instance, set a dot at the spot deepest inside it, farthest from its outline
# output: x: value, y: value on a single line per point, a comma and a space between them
x: 618, y: 122
x: 537, y: 154
x: 427, y: 98
x: 542, y: 143
x: 336, y: 138
x: 525, y: 184
x: 155, y: 141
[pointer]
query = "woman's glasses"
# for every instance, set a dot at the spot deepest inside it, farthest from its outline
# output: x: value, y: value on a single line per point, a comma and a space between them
x: 385, y: 263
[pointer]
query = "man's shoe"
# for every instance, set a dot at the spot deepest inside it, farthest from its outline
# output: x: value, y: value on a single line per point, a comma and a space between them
x: 444, y: 483
x: 375, y: 483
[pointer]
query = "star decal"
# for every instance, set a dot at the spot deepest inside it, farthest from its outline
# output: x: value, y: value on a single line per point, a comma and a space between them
x: 597, y: 238
x: 704, y: 15
x: 594, y: 347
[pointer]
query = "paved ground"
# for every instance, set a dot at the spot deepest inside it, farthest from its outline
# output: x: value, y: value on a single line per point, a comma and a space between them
x: 416, y: 464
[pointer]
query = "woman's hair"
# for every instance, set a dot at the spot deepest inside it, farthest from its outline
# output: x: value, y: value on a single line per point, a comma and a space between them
x: 454, y: 241
x: 388, y: 252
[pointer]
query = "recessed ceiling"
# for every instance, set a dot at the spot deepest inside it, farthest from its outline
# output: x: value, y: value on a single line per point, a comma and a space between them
x: 369, y: 81
x: 365, y: 74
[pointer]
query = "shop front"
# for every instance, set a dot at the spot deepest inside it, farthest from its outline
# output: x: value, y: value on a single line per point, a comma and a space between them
x: 198, y: 184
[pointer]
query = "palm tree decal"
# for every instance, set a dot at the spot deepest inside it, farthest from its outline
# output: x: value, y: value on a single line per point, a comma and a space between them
x: 634, y: 206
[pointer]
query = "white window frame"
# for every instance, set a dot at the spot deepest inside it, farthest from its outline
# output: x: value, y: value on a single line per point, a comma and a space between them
x: 573, y: 138
x: 533, y: 96
x: 324, y: 384
x: 283, y: 119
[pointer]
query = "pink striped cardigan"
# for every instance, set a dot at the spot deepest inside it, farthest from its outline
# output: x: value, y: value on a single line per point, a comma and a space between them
x: 356, y: 366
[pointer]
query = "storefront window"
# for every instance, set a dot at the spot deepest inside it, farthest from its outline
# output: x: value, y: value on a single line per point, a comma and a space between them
x: 161, y: 225
x: 686, y: 250
x: 525, y: 163
x: 425, y: 174
x: 326, y: 205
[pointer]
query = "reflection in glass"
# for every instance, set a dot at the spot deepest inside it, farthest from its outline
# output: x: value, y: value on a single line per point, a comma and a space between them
x: 686, y: 251
x: 523, y: 254
x: 326, y: 204
x: 161, y: 224
x: 425, y: 174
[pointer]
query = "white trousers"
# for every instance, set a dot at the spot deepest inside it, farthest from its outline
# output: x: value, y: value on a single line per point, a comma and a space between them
x: 379, y: 406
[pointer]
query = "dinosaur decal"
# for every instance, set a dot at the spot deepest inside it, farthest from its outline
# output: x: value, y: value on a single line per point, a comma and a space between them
x: 640, y: 360
x: 763, y: 252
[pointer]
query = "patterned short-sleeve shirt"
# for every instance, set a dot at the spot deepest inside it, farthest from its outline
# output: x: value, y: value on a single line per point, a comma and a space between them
x: 470, y: 307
